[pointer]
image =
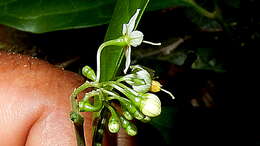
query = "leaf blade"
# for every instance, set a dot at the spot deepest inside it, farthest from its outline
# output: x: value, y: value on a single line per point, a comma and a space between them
x: 40, y: 16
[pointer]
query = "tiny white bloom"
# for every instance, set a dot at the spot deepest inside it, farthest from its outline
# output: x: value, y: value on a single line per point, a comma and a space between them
x: 133, y: 37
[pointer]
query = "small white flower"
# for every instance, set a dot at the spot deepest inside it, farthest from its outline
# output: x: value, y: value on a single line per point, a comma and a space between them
x: 133, y: 37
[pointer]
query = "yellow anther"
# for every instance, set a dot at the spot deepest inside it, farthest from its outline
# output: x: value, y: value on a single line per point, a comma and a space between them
x: 156, y: 86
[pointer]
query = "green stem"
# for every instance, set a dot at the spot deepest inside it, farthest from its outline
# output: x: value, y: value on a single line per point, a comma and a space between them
x: 221, y: 20
x: 111, y: 109
x: 90, y: 94
x: 115, y: 96
x: 127, y: 104
x: 75, y: 116
x: 73, y: 101
x: 121, y: 41
x: 100, y: 121
x: 201, y: 10
x: 216, y: 14
x: 86, y: 106
x: 124, y: 91
x: 128, y: 90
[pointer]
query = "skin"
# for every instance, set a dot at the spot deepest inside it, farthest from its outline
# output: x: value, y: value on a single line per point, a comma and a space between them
x: 34, y: 97
x: 35, y: 106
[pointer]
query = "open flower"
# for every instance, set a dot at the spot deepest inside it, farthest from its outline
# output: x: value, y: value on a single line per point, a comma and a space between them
x: 133, y: 38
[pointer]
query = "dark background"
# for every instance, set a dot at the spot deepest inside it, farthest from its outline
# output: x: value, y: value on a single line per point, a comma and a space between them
x: 211, y: 107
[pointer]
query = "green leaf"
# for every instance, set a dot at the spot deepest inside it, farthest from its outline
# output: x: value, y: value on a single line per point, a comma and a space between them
x: 40, y: 16
x: 111, y: 57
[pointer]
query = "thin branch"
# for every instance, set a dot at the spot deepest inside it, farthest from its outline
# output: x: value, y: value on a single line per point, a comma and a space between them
x: 68, y: 62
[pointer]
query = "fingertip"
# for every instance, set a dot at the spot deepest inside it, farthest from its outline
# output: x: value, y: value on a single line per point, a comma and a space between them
x: 52, y: 128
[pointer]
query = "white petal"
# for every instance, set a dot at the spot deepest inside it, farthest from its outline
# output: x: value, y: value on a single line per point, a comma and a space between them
x: 128, y: 58
x: 124, y: 31
x: 136, y: 38
x: 131, y: 23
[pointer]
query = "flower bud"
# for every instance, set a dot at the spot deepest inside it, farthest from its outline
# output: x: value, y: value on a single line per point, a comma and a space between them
x: 150, y: 105
x: 113, y: 124
x: 143, y: 75
x: 133, y: 110
x: 126, y: 113
x: 131, y: 129
x: 146, y: 119
x: 156, y: 86
x: 128, y: 126
x: 89, y: 73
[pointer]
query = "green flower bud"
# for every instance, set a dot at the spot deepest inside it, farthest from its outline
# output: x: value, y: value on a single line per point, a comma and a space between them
x: 135, y: 100
x: 126, y: 113
x: 131, y: 129
x: 113, y: 124
x: 128, y: 126
x: 141, y: 74
x: 146, y: 119
x: 89, y: 73
x: 133, y: 110
x: 150, y: 105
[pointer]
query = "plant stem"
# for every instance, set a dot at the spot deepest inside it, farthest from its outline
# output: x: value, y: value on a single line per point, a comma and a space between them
x: 201, y: 10
x: 75, y: 116
x: 100, y: 121
x: 116, y: 42
x: 216, y: 14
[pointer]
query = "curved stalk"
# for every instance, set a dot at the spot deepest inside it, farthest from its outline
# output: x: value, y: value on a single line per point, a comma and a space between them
x: 86, y: 106
x: 201, y: 10
x: 117, y: 42
x: 75, y: 116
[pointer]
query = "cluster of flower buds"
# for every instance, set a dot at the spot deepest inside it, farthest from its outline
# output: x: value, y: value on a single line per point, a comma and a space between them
x: 132, y: 93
